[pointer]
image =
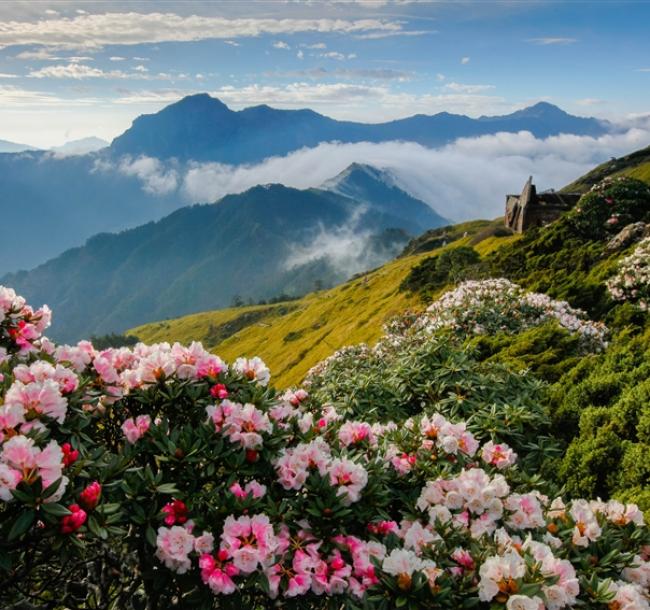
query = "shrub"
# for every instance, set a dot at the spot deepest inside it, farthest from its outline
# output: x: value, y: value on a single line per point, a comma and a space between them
x: 632, y: 279
x: 159, y: 477
x: 609, y: 206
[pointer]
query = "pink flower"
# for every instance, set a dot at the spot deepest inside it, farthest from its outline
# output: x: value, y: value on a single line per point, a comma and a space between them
x: 136, y: 429
x: 244, y: 424
x: 204, y: 543
x: 499, y: 455
x: 350, y: 478
x: 253, y: 370
x: 253, y: 489
x: 89, y: 497
x: 71, y: 523
x: 250, y: 541
x: 217, y: 573
x: 176, y: 512
x: 354, y: 432
x: 9, y: 479
x: 219, y: 391
x: 70, y: 455
x: 173, y: 547
x: 38, y: 398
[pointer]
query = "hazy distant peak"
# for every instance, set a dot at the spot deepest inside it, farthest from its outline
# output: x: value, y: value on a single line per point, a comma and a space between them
x: 81, y: 146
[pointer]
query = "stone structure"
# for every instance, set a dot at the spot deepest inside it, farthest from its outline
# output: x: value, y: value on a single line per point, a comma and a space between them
x: 533, y: 209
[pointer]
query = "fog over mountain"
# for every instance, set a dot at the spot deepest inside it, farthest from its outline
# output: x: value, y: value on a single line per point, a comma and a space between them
x: 269, y: 240
x: 186, y: 153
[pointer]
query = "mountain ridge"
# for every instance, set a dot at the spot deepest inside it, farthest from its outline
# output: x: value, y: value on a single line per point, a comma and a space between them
x: 268, y: 240
x: 203, y: 128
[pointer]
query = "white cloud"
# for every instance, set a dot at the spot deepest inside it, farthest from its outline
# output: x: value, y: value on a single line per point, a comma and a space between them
x: 97, y: 30
x: 78, y: 71
x: 461, y: 88
x: 440, y: 76
x: 464, y: 60
x: 155, y: 178
x: 45, y: 55
x: 7, y: 75
x: 590, y: 101
x: 391, y: 33
x: 300, y: 54
x: 345, y: 247
x: 545, y: 41
x: 317, y: 45
x: 464, y: 180
x: 337, y: 56
x: 117, y: 58
x: 232, y: 43
x: 280, y: 44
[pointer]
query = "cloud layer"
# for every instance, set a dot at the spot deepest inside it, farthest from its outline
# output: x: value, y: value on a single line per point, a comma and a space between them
x: 464, y: 180
x: 86, y: 31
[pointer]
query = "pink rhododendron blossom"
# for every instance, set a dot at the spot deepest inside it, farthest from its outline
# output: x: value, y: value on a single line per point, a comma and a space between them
x: 38, y: 398
x: 252, y: 489
x: 349, y: 477
x: 253, y: 369
x: 173, y: 546
x: 89, y: 497
x: 71, y: 523
x: 135, y: 429
x: 499, y: 455
x: 250, y: 541
x: 218, y: 572
x: 175, y: 512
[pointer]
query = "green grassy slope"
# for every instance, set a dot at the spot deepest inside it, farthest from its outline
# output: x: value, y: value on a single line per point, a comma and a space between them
x: 292, y: 337
x: 635, y: 165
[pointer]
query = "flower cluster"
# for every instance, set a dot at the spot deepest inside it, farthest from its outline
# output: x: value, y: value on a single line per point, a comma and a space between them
x: 498, y: 305
x: 632, y: 279
x: 134, y: 455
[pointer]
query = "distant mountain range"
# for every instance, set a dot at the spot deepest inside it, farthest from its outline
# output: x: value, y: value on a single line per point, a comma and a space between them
x: 256, y: 245
x: 203, y: 128
x: 66, y: 198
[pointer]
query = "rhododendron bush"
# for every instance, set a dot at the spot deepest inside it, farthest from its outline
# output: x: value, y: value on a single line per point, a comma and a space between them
x: 161, y: 477
x: 632, y: 279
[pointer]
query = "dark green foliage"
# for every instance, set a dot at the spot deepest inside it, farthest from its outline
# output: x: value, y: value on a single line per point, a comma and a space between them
x: 436, y: 375
x: 601, y: 408
x: 113, y: 340
x: 609, y: 206
x: 448, y: 267
x: 568, y: 259
x: 547, y: 351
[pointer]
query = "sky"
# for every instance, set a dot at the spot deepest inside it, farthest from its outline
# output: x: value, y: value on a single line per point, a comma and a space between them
x: 70, y: 70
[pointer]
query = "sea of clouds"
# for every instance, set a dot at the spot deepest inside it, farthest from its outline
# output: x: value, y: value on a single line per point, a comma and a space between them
x: 464, y: 180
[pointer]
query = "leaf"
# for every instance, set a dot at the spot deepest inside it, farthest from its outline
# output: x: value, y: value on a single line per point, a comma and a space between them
x: 57, y: 510
x: 51, y: 489
x: 167, y: 488
x: 150, y: 534
x: 22, y: 524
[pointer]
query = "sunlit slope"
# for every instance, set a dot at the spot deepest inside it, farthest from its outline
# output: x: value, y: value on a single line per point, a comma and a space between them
x: 293, y: 336
x: 635, y: 165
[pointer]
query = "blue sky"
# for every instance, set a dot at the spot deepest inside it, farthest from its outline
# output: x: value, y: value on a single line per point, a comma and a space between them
x: 75, y: 69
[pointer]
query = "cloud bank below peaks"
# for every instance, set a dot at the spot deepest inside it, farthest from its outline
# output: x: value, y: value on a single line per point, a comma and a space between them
x: 461, y: 181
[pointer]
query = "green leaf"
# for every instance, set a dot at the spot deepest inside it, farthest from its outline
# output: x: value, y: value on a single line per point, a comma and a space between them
x: 51, y: 489
x: 167, y: 488
x: 57, y: 510
x: 150, y: 534
x: 22, y: 524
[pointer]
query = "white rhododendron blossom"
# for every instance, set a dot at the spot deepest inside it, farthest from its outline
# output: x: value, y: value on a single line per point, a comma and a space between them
x: 632, y: 279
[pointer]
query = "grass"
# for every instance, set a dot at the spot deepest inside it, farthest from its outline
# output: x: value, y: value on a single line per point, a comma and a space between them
x: 291, y: 341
